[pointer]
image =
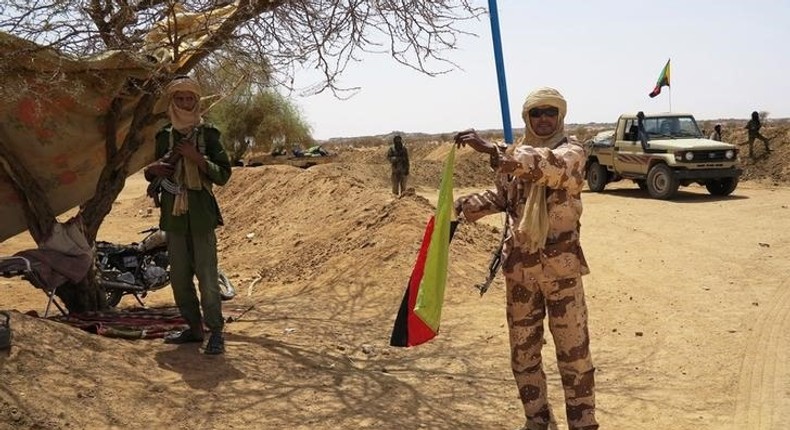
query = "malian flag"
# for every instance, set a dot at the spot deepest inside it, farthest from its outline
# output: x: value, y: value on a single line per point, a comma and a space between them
x: 421, y: 308
x: 663, y: 80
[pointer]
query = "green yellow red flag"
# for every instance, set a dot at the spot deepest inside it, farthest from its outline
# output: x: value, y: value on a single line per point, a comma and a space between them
x: 421, y: 308
x: 663, y: 80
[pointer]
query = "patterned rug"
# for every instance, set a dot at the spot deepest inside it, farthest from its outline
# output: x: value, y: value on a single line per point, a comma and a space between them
x: 134, y: 323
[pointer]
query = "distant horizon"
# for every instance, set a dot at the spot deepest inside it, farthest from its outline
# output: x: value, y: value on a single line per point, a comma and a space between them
x: 727, y: 60
x: 520, y: 128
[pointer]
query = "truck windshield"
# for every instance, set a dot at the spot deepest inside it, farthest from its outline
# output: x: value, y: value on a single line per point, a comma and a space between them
x: 672, y: 127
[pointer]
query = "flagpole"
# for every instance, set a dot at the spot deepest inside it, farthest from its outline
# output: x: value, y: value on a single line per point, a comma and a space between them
x: 669, y: 84
x: 500, y: 71
x: 670, y: 98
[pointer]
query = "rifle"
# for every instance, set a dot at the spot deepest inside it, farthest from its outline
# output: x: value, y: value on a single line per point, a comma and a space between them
x: 496, y: 262
x: 157, y: 185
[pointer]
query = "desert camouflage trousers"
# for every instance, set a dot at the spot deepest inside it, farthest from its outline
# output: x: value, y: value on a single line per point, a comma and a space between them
x: 528, y: 300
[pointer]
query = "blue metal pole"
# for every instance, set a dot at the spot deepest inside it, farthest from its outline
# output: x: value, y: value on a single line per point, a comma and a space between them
x: 500, y: 71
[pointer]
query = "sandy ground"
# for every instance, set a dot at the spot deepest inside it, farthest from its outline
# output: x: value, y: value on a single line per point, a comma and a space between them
x: 689, y: 306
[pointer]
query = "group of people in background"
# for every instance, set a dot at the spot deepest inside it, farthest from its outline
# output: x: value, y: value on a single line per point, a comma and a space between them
x: 753, y: 127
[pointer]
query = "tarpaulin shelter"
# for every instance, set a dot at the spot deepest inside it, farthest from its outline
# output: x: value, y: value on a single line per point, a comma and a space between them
x: 53, y: 110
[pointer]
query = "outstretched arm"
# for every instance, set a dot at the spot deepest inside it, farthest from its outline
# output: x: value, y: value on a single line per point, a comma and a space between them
x: 559, y: 168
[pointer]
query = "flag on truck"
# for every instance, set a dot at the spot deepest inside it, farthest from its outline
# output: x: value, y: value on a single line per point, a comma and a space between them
x: 663, y: 80
x: 421, y: 308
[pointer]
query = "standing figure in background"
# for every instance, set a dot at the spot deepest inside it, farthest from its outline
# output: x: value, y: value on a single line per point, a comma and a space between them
x: 398, y: 157
x: 716, y: 135
x: 754, y: 133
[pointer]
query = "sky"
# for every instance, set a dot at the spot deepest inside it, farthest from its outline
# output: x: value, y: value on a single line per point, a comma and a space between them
x: 728, y: 58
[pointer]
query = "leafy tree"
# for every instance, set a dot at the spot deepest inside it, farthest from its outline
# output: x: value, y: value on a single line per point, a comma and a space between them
x: 267, y: 39
x: 267, y: 117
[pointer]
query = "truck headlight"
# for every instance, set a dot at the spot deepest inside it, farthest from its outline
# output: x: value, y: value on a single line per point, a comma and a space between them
x: 730, y: 154
x: 689, y: 156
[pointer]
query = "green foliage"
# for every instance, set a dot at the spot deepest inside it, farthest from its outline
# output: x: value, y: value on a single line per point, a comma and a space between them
x: 260, y: 121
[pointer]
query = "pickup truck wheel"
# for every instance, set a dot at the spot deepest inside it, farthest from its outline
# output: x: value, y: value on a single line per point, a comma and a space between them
x: 721, y: 187
x: 661, y: 182
x: 596, y: 177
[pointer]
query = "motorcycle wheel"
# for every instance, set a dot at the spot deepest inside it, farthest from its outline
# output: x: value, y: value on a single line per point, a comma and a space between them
x: 113, y: 298
x: 226, y: 289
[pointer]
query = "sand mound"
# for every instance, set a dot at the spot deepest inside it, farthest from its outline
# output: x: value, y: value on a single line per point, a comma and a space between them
x: 329, y: 254
x: 320, y: 258
x: 57, y: 376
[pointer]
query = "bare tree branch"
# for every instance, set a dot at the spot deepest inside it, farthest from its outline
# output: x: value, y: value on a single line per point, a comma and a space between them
x: 273, y: 38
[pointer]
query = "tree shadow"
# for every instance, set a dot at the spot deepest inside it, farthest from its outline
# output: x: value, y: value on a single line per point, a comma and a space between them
x: 392, y: 392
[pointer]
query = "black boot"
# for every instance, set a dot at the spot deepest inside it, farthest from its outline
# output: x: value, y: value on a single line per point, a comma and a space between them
x: 186, y: 336
x: 215, y: 344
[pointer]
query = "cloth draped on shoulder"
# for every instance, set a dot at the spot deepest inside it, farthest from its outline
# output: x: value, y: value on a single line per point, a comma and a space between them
x: 534, y: 223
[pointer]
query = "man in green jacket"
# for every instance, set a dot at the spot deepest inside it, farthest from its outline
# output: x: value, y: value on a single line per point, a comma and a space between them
x: 398, y: 156
x: 190, y: 160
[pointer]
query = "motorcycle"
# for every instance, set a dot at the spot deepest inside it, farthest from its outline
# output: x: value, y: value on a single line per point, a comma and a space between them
x: 139, y: 268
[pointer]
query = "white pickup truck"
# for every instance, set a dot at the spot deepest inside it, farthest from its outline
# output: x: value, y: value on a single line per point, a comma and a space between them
x: 661, y: 152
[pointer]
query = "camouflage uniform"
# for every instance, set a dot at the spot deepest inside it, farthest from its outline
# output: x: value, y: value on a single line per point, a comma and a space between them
x: 545, y: 280
x: 398, y: 157
x: 753, y: 126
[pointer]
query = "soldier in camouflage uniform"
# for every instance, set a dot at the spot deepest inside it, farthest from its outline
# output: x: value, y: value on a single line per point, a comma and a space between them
x: 538, y: 185
x: 753, y: 126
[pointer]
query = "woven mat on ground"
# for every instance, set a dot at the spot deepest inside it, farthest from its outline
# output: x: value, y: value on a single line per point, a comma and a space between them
x: 135, y: 323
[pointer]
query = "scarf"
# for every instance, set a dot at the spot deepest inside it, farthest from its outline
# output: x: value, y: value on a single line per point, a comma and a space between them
x: 534, y: 222
x: 186, y: 122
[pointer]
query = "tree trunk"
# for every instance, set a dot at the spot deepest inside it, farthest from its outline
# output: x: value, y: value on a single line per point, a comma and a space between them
x: 86, y: 295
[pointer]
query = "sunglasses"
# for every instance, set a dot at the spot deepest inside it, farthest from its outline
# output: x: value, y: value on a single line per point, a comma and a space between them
x: 549, y: 111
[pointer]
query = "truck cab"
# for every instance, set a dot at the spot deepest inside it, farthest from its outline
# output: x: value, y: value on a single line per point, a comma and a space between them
x: 660, y: 153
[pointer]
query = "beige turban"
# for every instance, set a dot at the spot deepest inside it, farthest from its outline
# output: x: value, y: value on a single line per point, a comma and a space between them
x: 534, y: 223
x: 183, y: 120
x: 544, y: 97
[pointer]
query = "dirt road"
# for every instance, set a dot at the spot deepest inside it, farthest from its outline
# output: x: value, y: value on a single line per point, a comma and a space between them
x: 690, y: 307
x: 689, y: 314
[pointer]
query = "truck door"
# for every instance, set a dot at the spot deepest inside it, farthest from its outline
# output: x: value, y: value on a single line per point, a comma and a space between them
x: 628, y: 154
